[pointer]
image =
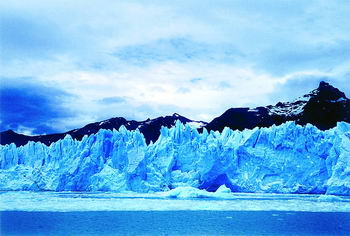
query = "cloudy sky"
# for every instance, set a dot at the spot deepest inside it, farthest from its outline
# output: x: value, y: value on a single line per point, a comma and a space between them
x: 67, y: 63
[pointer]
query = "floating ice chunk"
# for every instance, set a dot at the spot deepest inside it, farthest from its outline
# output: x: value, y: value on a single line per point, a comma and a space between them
x: 191, y: 192
x: 223, y: 189
x: 187, y: 192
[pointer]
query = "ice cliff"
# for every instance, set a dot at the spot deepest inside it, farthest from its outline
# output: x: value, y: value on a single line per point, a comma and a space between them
x: 281, y: 159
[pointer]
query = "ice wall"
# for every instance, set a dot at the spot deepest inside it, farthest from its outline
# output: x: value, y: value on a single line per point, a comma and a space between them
x: 281, y: 159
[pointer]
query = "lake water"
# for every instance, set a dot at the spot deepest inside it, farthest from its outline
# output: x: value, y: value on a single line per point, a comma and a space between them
x: 67, y: 213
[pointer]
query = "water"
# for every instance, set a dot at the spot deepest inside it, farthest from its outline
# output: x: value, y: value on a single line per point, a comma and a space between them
x: 74, y: 213
x: 175, y: 223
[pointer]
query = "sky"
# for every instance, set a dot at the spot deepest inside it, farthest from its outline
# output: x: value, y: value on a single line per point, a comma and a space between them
x: 64, y: 63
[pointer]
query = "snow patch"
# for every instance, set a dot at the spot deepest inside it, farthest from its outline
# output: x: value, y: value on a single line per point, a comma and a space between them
x: 196, y: 124
x: 287, y: 108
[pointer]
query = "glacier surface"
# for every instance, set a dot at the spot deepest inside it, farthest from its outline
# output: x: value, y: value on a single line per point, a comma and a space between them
x: 281, y: 159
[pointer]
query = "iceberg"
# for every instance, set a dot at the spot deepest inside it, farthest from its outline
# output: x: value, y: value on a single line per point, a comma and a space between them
x: 280, y: 159
x: 222, y: 192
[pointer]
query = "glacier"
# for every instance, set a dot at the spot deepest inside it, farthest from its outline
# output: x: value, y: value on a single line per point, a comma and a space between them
x: 280, y: 159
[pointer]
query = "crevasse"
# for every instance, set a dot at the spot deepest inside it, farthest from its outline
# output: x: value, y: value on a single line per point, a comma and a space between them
x: 281, y: 159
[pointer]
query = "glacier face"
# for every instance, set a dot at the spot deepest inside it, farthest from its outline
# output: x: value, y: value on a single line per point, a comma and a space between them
x: 281, y: 159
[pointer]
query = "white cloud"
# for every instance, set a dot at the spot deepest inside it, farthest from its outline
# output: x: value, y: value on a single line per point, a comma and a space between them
x: 159, y: 86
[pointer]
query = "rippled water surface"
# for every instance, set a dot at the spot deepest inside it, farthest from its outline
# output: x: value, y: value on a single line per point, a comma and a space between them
x: 76, y: 213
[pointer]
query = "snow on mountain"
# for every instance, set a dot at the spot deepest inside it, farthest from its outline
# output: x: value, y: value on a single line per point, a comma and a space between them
x: 197, y: 124
x: 292, y: 108
x: 324, y: 92
x: 281, y: 159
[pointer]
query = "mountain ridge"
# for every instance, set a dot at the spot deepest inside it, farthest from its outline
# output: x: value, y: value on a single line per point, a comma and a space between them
x: 150, y: 128
x: 322, y: 107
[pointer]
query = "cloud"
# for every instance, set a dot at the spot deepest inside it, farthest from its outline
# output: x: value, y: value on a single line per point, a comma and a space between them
x: 196, y: 80
x: 137, y: 58
x: 183, y: 90
x: 325, y: 56
x: 176, y: 49
x: 111, y: 100
x: 167, y: 84
x: 296, y: 85
x: 224, y: 85
x: 29, y: 107
x: 24, y: 37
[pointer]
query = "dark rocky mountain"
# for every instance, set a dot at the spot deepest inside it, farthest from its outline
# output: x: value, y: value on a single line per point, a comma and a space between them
x: 150, y: 129
x: 322, y: 107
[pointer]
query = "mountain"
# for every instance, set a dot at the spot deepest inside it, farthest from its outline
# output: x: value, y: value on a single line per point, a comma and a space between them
x: 281, y: 159
x: 322, y: 107
x: 150, y: 128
